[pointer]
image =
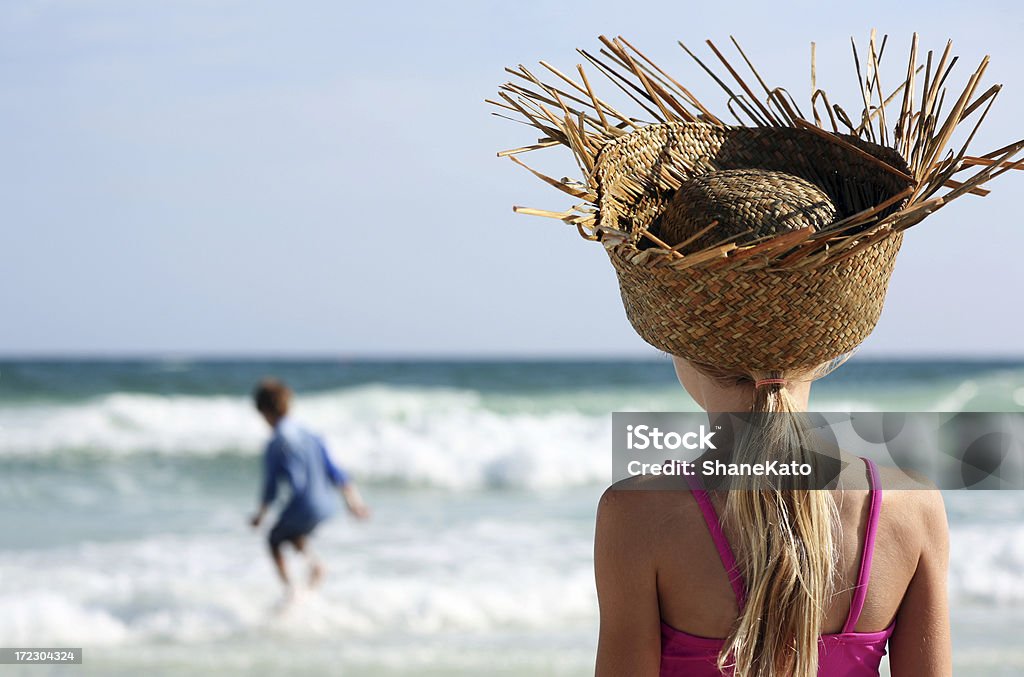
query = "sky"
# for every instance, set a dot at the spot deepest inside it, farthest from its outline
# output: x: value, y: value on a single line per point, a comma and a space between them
x: 241, y: 178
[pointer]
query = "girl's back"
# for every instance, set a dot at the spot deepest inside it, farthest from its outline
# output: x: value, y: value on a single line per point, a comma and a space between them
x: 690, y: 587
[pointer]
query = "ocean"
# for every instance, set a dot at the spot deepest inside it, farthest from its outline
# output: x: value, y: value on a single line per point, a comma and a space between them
x: 125, y: 488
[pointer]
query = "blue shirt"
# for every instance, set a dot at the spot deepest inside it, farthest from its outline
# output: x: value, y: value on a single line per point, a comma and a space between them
x: 300, y: 458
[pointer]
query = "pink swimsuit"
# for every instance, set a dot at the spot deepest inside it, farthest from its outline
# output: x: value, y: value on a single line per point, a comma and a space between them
x: 845, y: 654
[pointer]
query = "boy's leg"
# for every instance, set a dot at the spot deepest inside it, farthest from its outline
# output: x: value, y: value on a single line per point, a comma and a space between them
x: 279, y: 535
x: 316, y: 567
x: 278, y: 557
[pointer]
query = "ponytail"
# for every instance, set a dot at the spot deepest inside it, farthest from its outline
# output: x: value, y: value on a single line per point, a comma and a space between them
x: 784, y: 543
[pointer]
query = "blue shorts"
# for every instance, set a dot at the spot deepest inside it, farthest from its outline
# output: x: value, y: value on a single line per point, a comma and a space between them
x: 292, y: 524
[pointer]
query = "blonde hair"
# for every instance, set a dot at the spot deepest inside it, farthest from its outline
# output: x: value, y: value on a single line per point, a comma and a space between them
x: 784, y: 542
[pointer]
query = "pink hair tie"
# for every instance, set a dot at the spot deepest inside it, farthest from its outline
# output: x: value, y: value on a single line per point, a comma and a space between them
x: 769, y: 382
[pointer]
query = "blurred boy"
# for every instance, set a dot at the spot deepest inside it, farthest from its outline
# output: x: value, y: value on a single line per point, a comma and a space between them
x: 300, y: 458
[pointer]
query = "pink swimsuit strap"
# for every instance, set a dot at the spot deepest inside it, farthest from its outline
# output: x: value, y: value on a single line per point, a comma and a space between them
x: 721, y: 542
x: 725, y: 552
x: 861, y: 591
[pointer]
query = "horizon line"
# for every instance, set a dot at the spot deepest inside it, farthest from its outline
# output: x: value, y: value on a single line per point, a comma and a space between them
x: 368, y: 356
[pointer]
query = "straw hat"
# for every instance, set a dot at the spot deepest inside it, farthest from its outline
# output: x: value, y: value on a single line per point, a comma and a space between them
x: 766, y: 245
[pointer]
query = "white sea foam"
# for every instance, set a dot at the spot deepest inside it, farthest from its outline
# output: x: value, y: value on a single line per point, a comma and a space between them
x: 407, y: 435
x: 198, y: 588
x: 987, y: 564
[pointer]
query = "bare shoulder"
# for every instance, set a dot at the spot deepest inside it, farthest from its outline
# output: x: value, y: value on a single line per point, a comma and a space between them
x: 920, y: 644
x: 640, y: 508
x: 914, y: 509
x: 643, y: 493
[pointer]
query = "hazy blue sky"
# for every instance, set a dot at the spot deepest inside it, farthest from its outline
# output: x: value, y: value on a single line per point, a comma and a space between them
x: 255, y: 177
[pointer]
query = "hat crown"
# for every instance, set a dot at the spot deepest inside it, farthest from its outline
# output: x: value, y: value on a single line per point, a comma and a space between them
x: 745, y: 205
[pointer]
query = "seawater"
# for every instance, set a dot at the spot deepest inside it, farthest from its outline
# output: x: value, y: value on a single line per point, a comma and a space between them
x: 125, y: 487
